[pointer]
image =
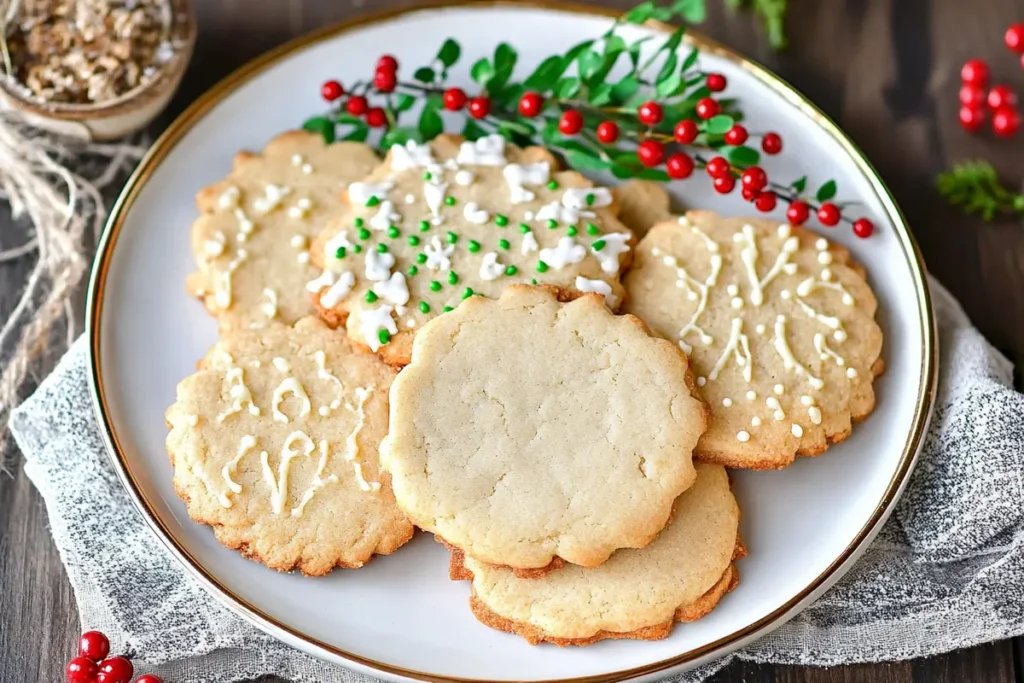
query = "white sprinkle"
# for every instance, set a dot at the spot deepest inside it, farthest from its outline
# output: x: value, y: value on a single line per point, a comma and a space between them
x: 701, y: 381
x: 779, y: 416
x: 779, y: 389
x: 736, y: 302
x: 784, y: 230
x: 851, y: 373
x: 307, y: 169
x: 732, y: 290
x: 755, y: 421
x: 464, y: 178
x: 528, y: 215
x: 751, y: 395
x: 825, y: 258
x: 785, y: 294
x: 297, y: 160
x: 797, y: 430
x: 742, y: 436
x: 821, y: 244
x: 324, y: 410
x: 298, y: 241
x: 814, y: 412
x: 727, y: 402
x: 281, y: 364
x: 411, y: 322
x: 790, y: 268
x: 410, y: 198
x: 302, y: 257
x: 826, y: 274
x: 806, y: 400
x: 759, y: 329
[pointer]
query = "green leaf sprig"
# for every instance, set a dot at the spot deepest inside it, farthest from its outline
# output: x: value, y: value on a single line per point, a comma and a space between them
x: 974, y: 187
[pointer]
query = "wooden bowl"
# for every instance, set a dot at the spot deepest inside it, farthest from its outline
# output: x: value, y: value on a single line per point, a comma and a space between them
x: 122, y: 115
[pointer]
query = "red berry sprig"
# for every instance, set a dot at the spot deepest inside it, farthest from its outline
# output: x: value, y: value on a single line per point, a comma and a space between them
x: 978, y: 102
x: 92, y: 665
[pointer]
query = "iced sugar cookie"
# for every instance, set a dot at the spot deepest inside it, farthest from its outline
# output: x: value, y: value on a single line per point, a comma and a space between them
x: 274, y: 443
x: 438, y: 223
x: 526, y: 430
x: 779, y: 326
x: 639, y: 594
x: 252, y: 239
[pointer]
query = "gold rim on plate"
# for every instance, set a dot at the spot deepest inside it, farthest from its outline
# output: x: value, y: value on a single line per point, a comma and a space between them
x: 184, y: 123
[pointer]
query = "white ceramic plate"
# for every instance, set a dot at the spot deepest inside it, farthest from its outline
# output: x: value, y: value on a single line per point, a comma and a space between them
x: 401, y: 616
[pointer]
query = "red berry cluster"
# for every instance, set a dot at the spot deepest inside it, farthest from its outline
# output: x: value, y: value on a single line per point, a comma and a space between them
x: 978, y: 101
x: 93, y: 666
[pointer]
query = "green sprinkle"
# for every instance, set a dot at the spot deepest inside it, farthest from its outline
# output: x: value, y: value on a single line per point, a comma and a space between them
x: 427, y: 176
x: 373, y: 200
x: 447, y: 309
x: 449, y: 200
x: 593, y: 229
x: 590, y: 198
x: 500, y: 220
x: 552, y: 224
x: 370, y: 297
x: 468, y: 292
x: 571, y: 232
x: 524, y: 228
x: 424, y: 226
x: 383, y: 336
x: 474, y: 246
x: 424, y: 307
x: 435, y: 286
x: 511, y: 270
x: 364, y: 234
x: 340, y: 253
x: 453, y: 277
x: 413, y: 270
x: 393, y: 232
x: 533, y: 280
x: 421, y: 259
x: 598, y: 245
x: 413, y: 240
x: 452, y: 237
x: 382, y: 248
x: 503, y: 244
x: 552, y: 185
x: 541, y: 267
x: 358, y: 222
x: 357, y: 248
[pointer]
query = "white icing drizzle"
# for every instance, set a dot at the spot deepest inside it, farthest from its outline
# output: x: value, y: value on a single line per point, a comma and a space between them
x: 279, y: 485
x: 615, y: 244
x: 272, y: 197
x: 374, y: 486
x: 245, y: 444
x: 238, y: 392
x: 245, y: 224
x: 325, y: 279
x: 301, y: 208
x: 411, y: 155
x: 738, y: 346
x: 556, y: 211
x: 437, y: 254
x: 490, y: 268
x: 332, y: 245
x: 697, y: 290
x: 229, y: 198
x: 281, y: 364
x: 464, y: 178
x: 582, y: 199
x: 393, y: 290
x: 788, y: 359
x: 487, y: 151
x: 378, y: 265
x: 317, y: 482
x: 599, y: 286
x: 474, y: 214
x: 825, y: 352
x: 810, y: 284
x: 828, y: 320
x: 749, y: 255
x: 323, y: 373
x: 385, y: 216
x: 360, y: 193
x: 222, y: 291
x: 372, y: 321
x: 289, y: 386
x: 433, y: 195
x: 564, y: 253
x: 215, y: 245
x: 529, y: 243
x: 519, y: 175
x: 352, y: 444
x: 339, y: 290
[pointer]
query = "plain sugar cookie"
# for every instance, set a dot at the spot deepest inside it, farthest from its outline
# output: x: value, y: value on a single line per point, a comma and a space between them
x: 526, y: 429
x: 274, y: 443
x: 638, y: 594
x: 779, y: 324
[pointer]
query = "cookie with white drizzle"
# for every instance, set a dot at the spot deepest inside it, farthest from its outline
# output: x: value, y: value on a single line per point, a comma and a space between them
x: 274, y: 443
x: 527, y: 430
x: 637, y: 594
x: 779, y: 324
x: 440, y: 222
x: 251, y: 240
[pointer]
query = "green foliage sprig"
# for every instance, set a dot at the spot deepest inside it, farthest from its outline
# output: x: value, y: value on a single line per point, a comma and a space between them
x: 974, y: 186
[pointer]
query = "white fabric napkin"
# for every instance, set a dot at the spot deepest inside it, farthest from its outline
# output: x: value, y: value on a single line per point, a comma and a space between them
x: 946, y: 572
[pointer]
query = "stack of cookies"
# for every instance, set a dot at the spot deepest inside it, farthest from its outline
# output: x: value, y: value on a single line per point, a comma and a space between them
x: 435, y: 341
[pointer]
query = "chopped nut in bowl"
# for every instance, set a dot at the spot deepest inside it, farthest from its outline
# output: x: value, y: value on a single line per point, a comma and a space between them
x: 97, y: 69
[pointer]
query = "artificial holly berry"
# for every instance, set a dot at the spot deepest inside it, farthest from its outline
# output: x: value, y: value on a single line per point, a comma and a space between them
x: 972, y: 118
x: 1005, y: 122
x: 679, y: 166
x: 771, y: 143
x: 479, y: 107
x: 387, y: 63
x: 356, y: 106
x: 755, y: 178
x: 115, y: 670
x: 571, y: 122
x: 650, y: 113
x: 748, y: 194
x: 724, y: 184
x: 454, y: 99
x: 686, y: 132
x: 376, y: 118
x: 975, y: 72
x: 972, y: 97
x: 93, y: 645
x: 81, y: 670
x: 1014, y: 38
x: 149, y: 678
x: 736, y: 135
x: 385, y: 80
x: 863, y: 228
x: 607, y: 132
x: 798, y: 212
x: 765, y: 202
x: 716, y: 82
x: 717, y: 167
x: 707, y: 108
x: 331, y: 90
x: 530, y: 104
x: 828, y: 214
x: 650, y: 153
x: 1001, y: 96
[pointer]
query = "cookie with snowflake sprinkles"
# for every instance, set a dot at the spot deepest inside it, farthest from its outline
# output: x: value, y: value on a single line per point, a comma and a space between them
x: 779, y: 324
x: 251, y: 241
x: 527, y: 430
x: 440, y: 222
x: 638, y: 594
x: 274, y: 443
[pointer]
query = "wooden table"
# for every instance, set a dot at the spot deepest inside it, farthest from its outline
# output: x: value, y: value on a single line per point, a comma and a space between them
x: 886, y: 70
